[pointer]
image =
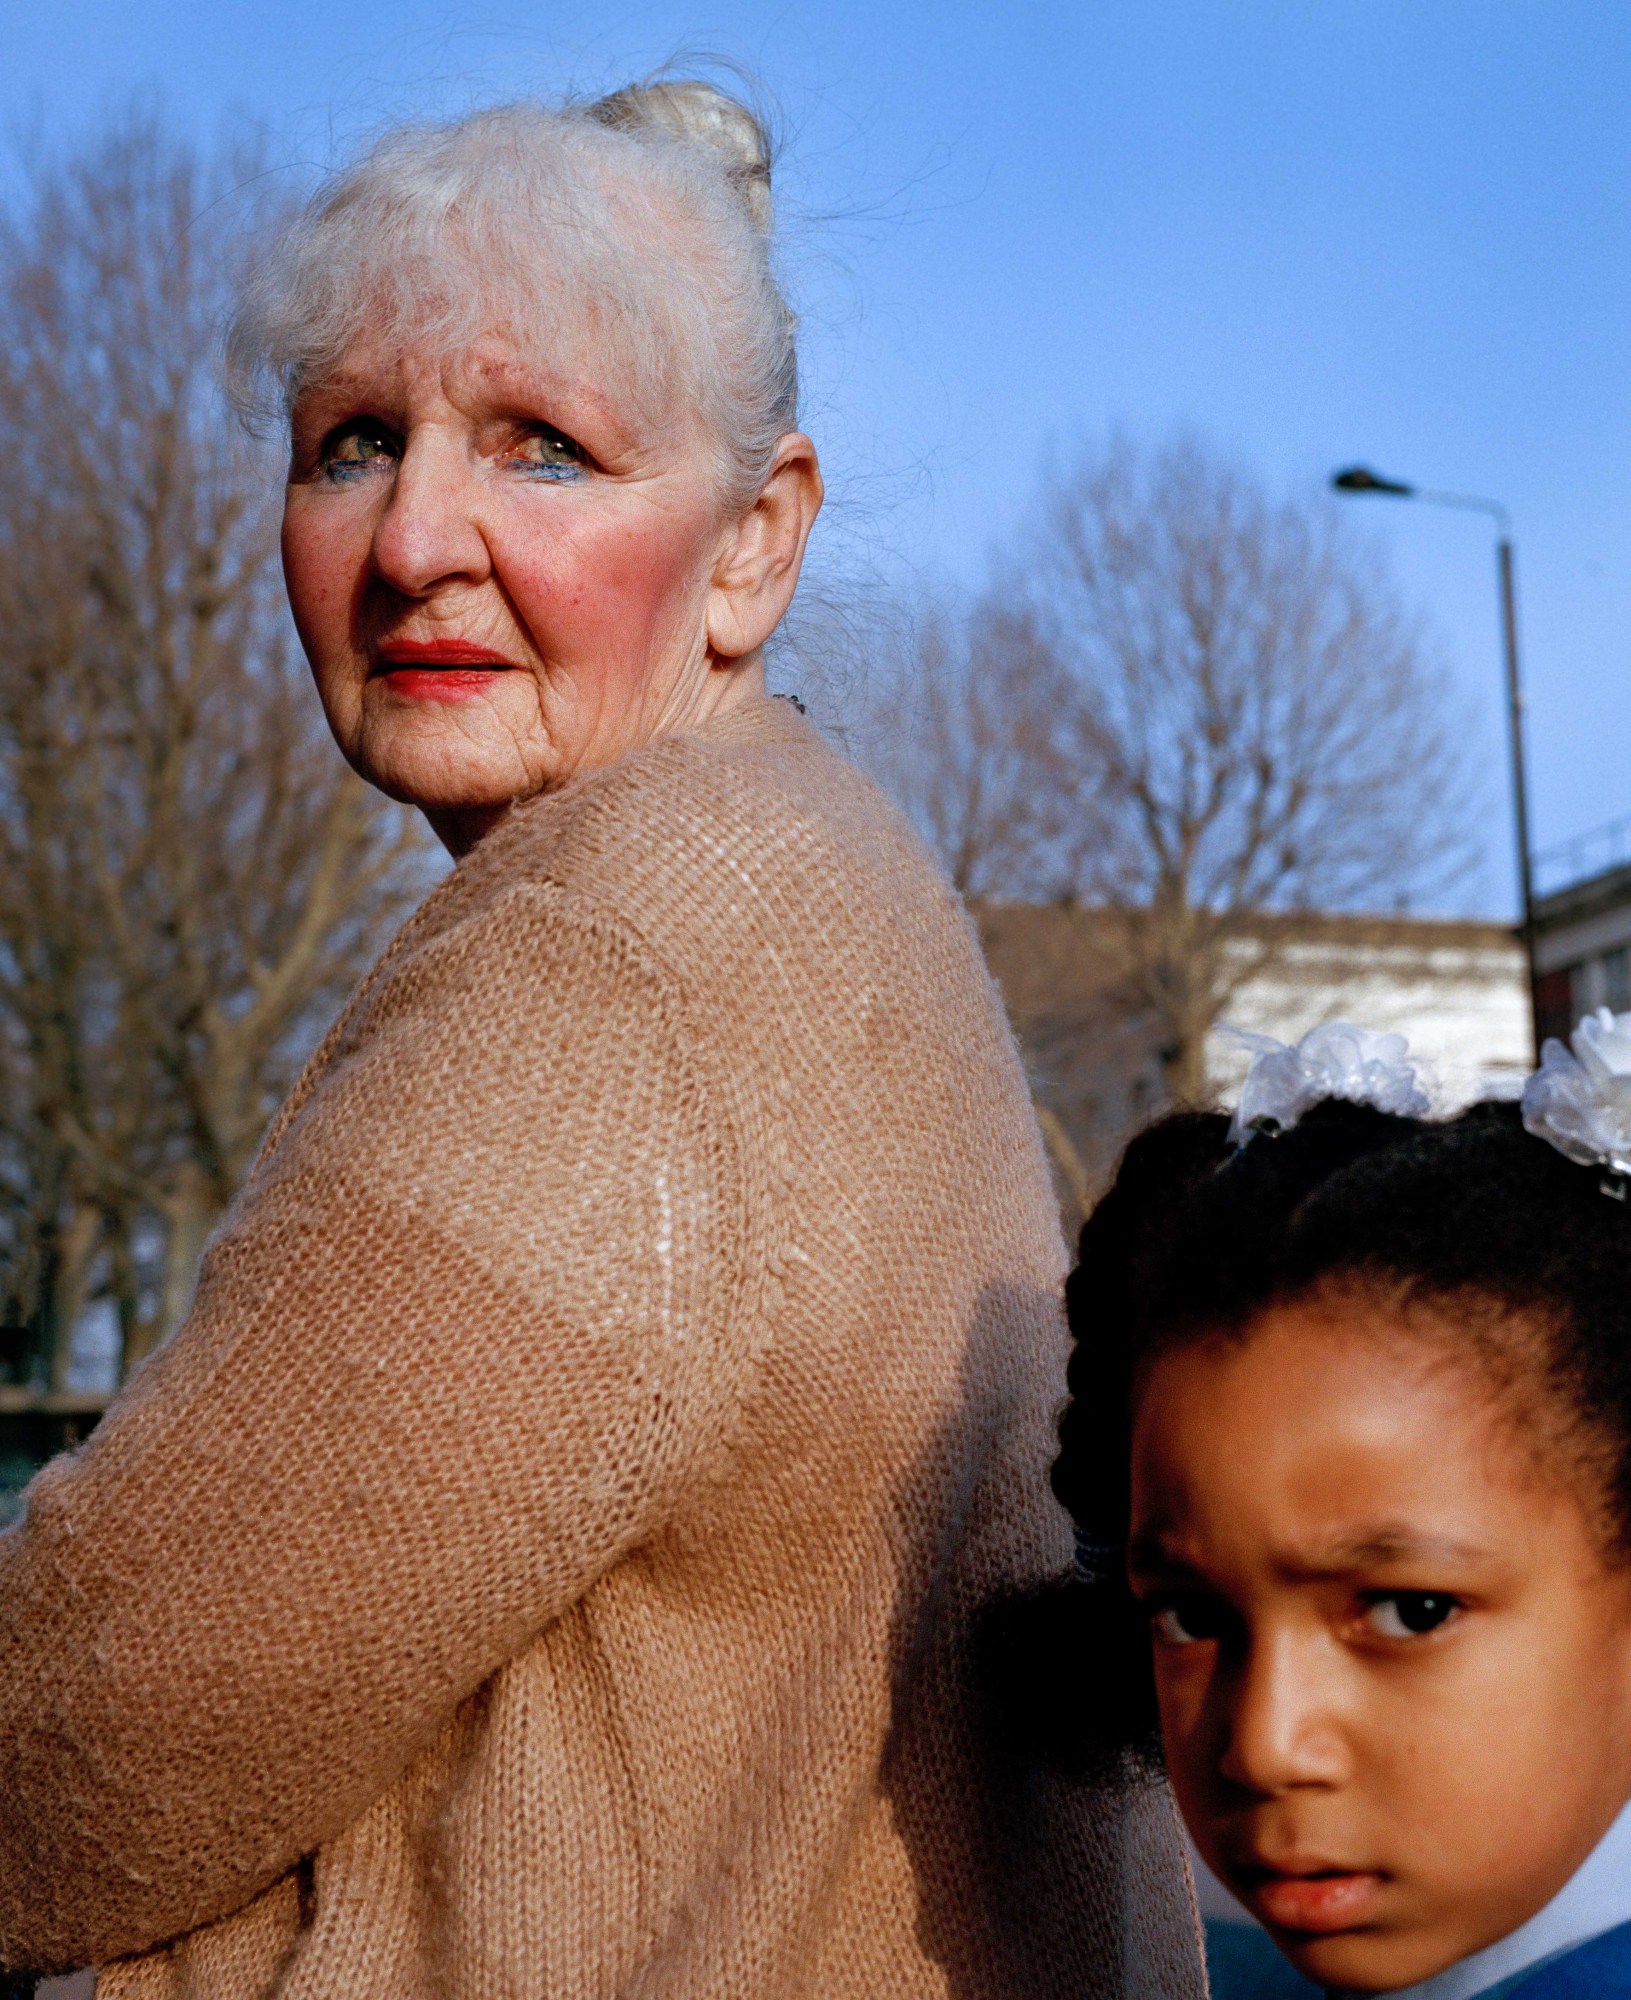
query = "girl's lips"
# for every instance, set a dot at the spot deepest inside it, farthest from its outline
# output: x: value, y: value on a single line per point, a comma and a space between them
x: 1330, y: 1900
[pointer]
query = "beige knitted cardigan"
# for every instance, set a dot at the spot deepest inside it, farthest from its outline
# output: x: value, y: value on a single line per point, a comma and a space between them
x: 541, y: 1565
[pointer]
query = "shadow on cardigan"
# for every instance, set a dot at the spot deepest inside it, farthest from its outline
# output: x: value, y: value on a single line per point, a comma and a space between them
x: 1087, y: 1891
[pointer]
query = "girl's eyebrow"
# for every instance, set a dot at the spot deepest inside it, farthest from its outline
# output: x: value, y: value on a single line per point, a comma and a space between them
x: 1151, y: 1554
x: 1370, y: 1547
x: 1388, y: 1542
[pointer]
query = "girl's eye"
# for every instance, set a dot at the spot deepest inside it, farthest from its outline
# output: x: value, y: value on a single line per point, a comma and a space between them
x: 1407, y: 1614
x: 550, y: 453
x: 1182, y: 1621
x: 357, y: 448
x: 1169, y: 1627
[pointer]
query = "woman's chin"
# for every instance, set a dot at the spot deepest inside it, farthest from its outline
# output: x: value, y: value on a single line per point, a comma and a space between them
x: 441, y: 778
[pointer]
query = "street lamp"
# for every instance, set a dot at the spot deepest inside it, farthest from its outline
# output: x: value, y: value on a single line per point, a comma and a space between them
x: 1360, y: 479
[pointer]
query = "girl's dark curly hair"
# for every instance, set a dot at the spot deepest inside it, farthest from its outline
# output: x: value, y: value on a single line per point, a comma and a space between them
x: 1516, y: 1254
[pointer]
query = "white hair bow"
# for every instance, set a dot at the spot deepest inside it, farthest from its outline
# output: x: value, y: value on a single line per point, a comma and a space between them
x: 1581, y: 1102
x: 1338, y: 1060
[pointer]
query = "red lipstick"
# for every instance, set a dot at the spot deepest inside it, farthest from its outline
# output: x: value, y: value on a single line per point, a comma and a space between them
x: 439, y: 669
x: 436, y: 653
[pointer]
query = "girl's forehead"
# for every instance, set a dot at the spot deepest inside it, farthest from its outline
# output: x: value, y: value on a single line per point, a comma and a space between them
x: 1321, y: 1433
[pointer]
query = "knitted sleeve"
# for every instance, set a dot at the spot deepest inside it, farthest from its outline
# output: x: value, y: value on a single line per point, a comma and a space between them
x: 478, y: 1317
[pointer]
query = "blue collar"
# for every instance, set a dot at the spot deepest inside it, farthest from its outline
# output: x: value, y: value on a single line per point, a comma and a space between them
x: 1590, y: 1971
x: 1596, y: 1898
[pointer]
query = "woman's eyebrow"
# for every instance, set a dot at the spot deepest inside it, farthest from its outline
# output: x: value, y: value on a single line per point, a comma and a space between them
x: 329, y: 391
x: 517, y: 385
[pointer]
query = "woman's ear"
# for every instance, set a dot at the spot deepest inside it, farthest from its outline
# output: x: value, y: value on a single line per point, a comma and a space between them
x: 758, y: 569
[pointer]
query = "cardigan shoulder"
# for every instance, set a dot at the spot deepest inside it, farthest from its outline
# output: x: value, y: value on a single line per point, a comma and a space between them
x: 758, y: 876
x: 746, y: 851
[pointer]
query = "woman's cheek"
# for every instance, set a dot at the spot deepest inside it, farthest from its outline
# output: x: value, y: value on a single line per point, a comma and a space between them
x: 323, y: 575
x: 612, y: 593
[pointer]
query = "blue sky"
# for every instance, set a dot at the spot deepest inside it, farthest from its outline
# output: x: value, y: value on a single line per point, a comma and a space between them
x: 1318, y: 232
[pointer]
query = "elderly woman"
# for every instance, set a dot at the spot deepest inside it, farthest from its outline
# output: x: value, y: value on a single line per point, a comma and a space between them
x: 544, y: 1563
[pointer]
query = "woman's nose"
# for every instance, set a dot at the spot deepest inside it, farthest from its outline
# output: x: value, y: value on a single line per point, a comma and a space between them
x: 1284, y: 1725
x: 429, y: 532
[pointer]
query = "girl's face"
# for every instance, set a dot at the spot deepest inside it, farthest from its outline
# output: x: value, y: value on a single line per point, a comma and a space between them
x: 1394, y: 1667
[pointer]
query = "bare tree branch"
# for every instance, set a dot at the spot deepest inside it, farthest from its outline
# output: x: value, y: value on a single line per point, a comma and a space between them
x: 1186, y: 706
x: 192, y: 879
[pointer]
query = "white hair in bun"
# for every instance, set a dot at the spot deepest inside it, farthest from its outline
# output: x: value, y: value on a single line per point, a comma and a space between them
x: 636, y: 230
x: 702, y: 115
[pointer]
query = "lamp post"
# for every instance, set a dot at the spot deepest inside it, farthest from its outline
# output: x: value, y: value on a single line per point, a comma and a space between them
x: 1360, y: 479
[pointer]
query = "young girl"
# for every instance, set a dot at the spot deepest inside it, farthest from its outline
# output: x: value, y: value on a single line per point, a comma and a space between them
x: 1350, y: 1459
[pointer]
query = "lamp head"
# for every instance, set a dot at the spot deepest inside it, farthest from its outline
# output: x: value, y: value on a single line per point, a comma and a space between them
x: 1360, y: 479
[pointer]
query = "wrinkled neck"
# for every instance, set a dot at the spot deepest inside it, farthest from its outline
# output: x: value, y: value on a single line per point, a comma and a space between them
x: 722, y: 690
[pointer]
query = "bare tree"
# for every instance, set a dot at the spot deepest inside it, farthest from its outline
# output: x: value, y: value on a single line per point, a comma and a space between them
x: 1190, y: 708
x: 964, y: 734
x: 189, y: 877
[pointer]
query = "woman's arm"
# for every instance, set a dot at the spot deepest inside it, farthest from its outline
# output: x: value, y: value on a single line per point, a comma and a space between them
x: 473, y: 1324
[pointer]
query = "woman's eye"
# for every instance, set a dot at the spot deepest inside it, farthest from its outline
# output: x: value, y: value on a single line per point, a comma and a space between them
x: 357, y: 448
x: 1181, y: 1621
x: 1407, y: 1614
x: 550, y: 453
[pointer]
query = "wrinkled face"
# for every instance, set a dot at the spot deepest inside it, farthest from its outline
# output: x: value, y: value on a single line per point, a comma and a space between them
x: 1394, y: 1668
x: 499, y: 570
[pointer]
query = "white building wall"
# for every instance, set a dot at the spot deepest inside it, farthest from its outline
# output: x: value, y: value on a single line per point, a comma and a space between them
x: 1586, y: 939
x: 1464, y: 1010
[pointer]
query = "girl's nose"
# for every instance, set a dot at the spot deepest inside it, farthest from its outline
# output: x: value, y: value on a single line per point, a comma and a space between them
x: 429, y: 531
x: 1284, y: 1726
